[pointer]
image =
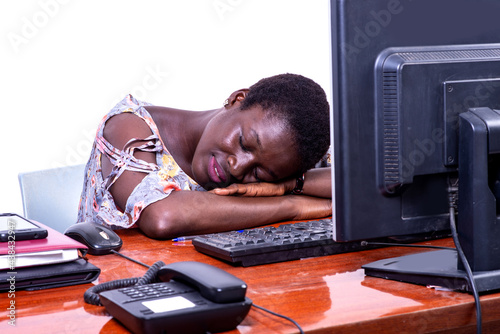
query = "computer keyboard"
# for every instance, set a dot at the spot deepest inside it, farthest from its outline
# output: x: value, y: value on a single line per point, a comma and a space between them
x: 285, y: 242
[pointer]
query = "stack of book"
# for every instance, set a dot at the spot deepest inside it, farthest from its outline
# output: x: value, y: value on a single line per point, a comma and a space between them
x: 48, y: 262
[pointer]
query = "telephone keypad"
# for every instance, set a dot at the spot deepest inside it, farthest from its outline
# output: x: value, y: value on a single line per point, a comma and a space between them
x: 154, y: 290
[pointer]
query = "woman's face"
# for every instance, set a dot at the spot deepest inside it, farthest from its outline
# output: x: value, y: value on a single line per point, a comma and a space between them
x: 243, y: 147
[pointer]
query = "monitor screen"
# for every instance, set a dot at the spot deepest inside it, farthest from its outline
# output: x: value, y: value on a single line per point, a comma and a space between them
x: 405, y: 75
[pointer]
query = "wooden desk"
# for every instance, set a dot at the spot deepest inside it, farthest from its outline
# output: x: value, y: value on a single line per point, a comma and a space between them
x: 324, y: 295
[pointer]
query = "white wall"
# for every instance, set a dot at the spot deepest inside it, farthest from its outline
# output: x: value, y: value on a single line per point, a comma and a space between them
x: 65, y: 63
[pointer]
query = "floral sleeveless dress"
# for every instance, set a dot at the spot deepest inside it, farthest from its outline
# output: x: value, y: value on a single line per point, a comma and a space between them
x: 97, y: 204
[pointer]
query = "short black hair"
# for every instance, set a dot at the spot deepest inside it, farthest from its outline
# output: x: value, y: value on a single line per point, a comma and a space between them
x: 302, y: 104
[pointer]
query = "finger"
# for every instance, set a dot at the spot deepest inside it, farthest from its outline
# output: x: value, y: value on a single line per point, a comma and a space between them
x: 230, y: 190
x: 221, y: 191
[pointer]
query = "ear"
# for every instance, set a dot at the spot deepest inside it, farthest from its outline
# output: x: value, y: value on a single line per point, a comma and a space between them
x: 236, y: 97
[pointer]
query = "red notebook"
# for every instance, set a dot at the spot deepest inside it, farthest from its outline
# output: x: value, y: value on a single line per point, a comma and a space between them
x: 56, y: 248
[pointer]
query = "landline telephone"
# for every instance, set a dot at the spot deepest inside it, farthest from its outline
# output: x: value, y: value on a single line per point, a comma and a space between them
x: 181, y: 297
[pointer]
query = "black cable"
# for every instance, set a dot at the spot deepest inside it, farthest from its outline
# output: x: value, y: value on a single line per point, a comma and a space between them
x: 367, y: 243
x: 129, y: 258
x: 281, y: 316
x: 453, y: 201
x: 468, y: 270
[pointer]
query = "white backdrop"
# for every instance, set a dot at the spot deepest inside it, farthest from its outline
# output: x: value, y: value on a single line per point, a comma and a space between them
x: 65, y: 63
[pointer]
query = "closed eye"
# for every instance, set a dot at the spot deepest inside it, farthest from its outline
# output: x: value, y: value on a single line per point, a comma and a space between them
x: 255, y: 174
x: 243, y: 147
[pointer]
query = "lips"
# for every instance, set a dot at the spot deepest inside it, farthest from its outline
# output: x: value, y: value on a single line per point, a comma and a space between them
x: 215, y: 171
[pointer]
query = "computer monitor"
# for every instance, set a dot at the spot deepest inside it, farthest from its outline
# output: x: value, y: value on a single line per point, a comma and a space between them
x: 416, y: 116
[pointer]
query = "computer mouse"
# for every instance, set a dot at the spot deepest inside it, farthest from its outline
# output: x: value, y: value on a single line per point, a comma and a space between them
x: 99, y: 239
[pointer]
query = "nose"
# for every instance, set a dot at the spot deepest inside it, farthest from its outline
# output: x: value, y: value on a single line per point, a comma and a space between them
x: 240, y: 167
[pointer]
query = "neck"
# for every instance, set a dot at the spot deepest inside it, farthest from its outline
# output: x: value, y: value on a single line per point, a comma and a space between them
x: 180, y: 131
x: 194, y: 126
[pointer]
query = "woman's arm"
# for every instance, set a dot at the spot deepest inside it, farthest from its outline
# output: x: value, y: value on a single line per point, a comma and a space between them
x: 317, y: 183
x: 196, y: 212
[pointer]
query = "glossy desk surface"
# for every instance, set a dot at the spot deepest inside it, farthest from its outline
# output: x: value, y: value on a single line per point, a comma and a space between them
x: 324, y: 295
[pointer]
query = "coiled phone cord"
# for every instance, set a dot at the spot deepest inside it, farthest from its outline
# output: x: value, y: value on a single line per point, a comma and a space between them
x: 91, y: 296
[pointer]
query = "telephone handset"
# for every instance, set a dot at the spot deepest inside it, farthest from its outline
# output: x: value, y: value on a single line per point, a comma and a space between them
x: 191, y: 297
x: 213, y: 283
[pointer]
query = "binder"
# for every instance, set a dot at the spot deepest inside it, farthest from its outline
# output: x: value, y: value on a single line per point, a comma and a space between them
x: 49, y: 276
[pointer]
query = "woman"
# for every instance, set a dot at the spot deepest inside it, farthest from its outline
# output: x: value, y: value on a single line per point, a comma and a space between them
x: 150, y: 166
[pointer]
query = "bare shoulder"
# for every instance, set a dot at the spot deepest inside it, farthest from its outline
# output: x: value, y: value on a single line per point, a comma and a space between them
x: 119, y: 129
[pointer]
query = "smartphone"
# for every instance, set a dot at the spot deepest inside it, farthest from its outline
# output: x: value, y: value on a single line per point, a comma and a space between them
x: 16, y: 228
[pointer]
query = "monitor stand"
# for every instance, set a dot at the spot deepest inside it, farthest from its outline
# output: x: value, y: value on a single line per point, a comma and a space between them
x: 434, y: 268
x: 478, y: 223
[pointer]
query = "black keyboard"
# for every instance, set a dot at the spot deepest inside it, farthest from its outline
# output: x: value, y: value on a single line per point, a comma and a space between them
x: 264, y: 245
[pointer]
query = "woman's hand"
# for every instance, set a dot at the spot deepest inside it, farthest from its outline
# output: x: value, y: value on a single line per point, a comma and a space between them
x: 258, y: 189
